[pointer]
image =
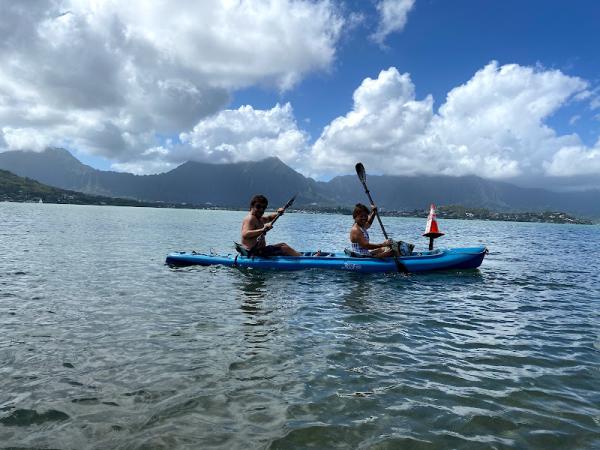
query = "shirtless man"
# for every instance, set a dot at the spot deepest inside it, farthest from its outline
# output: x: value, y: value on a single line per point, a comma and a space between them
x: 255, y: 224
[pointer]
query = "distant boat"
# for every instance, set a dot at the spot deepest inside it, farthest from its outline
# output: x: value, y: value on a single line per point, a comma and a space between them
x: 40, y: 201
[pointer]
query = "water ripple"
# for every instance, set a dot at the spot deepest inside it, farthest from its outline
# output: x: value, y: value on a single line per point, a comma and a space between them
x: 105, y: 347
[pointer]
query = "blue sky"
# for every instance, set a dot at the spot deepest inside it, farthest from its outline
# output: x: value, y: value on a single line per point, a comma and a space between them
x: 444, y: 43
x: 507, y: 90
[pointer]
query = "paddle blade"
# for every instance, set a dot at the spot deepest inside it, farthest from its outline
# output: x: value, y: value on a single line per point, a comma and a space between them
x: 360, y: 171
x: 290, y: 202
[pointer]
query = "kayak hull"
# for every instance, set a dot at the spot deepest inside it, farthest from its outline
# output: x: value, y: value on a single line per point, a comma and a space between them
x: 440, y: 259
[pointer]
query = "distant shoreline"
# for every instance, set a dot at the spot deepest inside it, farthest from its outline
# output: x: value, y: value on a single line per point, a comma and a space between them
x: 443, y: 212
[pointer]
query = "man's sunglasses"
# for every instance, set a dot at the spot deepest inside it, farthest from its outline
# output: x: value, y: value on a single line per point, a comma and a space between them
x: 260, y: 206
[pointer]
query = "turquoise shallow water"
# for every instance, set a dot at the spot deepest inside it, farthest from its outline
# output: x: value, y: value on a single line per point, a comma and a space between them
x: 103, y: 346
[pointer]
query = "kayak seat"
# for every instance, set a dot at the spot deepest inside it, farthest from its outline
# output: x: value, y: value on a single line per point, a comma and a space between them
x: 241, y: 249
x: 352, y: 254
x: 317, y: 253
x: 403, y: 249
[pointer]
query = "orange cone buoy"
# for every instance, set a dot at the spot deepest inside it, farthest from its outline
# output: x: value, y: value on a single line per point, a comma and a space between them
x: 431, y: 230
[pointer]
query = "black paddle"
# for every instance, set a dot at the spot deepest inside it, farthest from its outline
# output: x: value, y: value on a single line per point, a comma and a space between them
x: 260, y: 236
x: 362, y: 176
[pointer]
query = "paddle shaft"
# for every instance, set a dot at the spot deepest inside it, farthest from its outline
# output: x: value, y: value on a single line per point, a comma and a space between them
x: 376, y: 212
x: 360, y: 170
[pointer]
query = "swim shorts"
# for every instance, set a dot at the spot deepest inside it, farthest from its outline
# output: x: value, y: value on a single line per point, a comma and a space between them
x: 269, y: 250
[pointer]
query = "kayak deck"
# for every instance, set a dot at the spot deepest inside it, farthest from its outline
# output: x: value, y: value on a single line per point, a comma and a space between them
x: 439, y: 259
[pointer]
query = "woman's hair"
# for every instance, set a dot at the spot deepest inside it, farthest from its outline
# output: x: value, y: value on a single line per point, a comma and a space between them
x: 259, y: 199
x: 358, y: 209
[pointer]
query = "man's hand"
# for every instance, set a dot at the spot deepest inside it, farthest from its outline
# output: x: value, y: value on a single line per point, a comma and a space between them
x: 267, y: 226
x: 280, y: 211
x: 373, y: 208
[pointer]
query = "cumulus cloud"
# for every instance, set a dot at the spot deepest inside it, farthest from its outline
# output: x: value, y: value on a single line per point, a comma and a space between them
x: 112, y: 77
x: 392, y: 17
x: 385, y: 118
x: 492, y: 126
x: 146, y: 166
x: 576, y: 160
x: 118, y: 79
x: 17, y: 138
x: 246, y: 134
x: 232, y: 135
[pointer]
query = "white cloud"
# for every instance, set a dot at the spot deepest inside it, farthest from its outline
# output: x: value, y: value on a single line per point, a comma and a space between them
x: 110, y: 76
x: 144, y: 167
x: 392, y: 17
x: 246, y: 134
x: 576, y: 160
x: 385, y: 117
x: 498, y: 116
x: 492, y: 126
x: 18, y: 138
x: 243, y: 134
x: 115, y: 78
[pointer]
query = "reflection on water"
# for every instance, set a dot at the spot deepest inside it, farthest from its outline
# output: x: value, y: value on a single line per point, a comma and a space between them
x: 358, y: 290
x: 252, y: 288
x: 251, y: 283
x: 257, y: 326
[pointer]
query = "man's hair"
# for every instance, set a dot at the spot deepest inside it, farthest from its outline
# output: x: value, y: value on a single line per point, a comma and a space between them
x: 358, y: 209
x: 259, y: 199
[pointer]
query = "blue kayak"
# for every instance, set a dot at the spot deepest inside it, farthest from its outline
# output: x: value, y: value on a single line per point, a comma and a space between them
x: 438, y: 259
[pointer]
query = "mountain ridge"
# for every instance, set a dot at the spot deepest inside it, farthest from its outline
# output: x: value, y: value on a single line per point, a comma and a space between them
x: 231, y: 185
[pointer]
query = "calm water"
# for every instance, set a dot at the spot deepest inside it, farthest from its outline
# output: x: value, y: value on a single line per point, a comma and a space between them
x: 103, y: 346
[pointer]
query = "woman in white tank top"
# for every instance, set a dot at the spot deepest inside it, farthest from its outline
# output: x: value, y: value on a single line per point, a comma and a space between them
x: 359, y: 236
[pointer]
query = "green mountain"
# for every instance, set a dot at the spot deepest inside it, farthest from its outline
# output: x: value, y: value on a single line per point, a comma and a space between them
x: 14, y: 188
x: 408, y: 193
x: 231, y: 185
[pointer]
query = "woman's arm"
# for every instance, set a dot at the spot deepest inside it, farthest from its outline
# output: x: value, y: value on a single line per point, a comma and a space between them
x: 371, y: 216
x: 357, y: 237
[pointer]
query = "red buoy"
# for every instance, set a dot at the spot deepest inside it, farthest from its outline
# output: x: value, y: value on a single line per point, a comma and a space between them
x: 432, y: 230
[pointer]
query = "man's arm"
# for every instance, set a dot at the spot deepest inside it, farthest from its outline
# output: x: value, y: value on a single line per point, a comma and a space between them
x: 271, y: 217
x: 249, y: 232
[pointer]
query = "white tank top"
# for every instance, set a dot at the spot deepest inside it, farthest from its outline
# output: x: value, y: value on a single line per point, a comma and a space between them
x: 356, y: 248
